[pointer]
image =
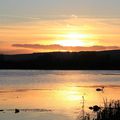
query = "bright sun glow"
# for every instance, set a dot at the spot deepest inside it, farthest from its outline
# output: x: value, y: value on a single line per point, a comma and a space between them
x: 72, y: 39
x: 71, y: 94
x: 75, y: 36
x: 71, y: 43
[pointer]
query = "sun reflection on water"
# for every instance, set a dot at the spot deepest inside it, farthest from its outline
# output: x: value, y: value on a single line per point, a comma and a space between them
x: 71, y: 94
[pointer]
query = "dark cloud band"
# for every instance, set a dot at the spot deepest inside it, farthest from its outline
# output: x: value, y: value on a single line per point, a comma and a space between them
x: 67, y: 48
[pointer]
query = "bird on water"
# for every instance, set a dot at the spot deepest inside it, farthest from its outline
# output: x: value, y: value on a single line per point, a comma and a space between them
x: 100, y: 89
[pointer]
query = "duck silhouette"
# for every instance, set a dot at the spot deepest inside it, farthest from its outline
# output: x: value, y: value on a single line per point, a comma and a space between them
x: 100, y: 89
x: 17, y: 111
x: 95, y: 108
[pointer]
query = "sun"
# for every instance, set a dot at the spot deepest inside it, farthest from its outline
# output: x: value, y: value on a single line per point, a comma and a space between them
x: 72, y: 39
x: 75, y: 36
x: 71, y: 43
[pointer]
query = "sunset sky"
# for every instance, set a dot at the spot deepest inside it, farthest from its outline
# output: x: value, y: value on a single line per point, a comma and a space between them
x: 28, y: 26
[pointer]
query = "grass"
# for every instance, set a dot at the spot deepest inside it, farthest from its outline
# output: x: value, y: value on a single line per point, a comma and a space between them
x: 110, y: 111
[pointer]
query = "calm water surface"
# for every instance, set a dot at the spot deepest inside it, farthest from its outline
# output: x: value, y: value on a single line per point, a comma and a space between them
x: 54, y: 95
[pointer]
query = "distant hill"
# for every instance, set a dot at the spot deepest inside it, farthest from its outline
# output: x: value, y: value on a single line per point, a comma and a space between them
x: 103, y: 60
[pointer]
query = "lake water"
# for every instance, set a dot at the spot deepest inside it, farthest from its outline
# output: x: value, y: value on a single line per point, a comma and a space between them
x: 54, y: 95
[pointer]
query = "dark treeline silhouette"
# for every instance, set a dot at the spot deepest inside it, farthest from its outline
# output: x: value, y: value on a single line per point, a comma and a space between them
x: 103, y: 60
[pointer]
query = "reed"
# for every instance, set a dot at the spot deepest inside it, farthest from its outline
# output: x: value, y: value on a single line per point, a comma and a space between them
x: 111, y: 111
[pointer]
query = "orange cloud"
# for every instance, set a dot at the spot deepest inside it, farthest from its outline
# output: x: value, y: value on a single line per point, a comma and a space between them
x: 16, y: 51
x: 54, y: 47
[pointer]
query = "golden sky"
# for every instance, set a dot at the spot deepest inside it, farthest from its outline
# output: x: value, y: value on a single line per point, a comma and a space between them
x: 58, y: 30
x: 72, y: 31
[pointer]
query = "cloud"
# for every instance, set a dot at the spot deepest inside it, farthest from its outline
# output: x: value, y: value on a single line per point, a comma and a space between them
x: 55, y: 47
x: 38, y: 46
x: 16, y: 51
x: 13, y: 19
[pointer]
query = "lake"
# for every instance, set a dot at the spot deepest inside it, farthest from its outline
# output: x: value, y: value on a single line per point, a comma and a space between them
x: 54, y: 94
